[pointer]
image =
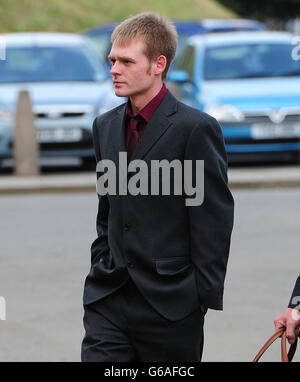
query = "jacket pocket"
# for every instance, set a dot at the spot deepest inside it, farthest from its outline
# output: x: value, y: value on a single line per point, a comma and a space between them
x: 172, y: 265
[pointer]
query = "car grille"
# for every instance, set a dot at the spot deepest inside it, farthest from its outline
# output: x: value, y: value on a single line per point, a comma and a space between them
x: 61, y: 111
x: 260, y: 141
x: 266, y: 119
x: 61, y: 115
x: 273, y: 116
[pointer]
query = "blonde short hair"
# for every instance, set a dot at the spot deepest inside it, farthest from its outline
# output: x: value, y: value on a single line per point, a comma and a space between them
x: 157, y: 32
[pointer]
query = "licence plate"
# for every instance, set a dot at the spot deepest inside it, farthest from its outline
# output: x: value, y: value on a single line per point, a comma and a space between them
x: 59, y: 134
x: 264, y: 131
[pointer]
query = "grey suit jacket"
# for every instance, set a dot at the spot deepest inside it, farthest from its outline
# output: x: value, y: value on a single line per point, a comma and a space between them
x: 175, y: 254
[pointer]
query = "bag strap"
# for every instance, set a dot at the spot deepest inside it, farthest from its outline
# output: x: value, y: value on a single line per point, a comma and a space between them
x: 285, y: 357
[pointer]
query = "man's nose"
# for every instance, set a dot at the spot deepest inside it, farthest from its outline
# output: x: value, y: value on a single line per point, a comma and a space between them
x: 114, y: 69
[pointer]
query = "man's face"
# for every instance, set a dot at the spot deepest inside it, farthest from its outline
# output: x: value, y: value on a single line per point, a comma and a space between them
x: 131, y: 71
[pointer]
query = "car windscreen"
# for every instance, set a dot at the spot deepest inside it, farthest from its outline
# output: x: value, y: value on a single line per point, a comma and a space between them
x: 102, y: 43
x: 41, y: 64
x: 250, y: 60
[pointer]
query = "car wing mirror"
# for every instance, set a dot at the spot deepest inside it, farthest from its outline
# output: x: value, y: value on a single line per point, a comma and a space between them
x: 179, y: 76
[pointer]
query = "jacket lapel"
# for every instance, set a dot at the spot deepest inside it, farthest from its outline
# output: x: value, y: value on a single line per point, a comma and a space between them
x: 117, y: 130
x: 156, y: 127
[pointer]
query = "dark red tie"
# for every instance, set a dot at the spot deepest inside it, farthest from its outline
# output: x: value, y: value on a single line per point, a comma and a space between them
x: 133, y: 136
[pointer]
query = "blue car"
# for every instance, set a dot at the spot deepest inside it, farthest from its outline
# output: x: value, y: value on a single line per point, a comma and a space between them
x: 250, y: 82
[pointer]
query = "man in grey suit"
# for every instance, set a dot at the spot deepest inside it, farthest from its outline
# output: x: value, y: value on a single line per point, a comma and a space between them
x: 160, y: 258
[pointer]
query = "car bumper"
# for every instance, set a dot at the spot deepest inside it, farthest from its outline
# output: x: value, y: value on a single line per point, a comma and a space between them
x: 245, y: 142
x: 80, y: 145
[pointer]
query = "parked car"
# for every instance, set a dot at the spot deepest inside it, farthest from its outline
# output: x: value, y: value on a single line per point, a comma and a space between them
x: 231, y: 25
x: 250, y: 82
x: 68, y: 87
x: 100, y: 35
x: 191, y: 28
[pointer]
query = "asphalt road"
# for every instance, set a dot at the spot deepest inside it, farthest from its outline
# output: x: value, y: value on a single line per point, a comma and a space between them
x: 44, y: 257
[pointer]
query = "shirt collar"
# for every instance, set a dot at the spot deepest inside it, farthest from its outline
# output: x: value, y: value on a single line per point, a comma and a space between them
x: 148, y: 110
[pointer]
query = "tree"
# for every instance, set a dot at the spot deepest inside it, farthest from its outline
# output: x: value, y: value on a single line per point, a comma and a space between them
x: 266, y: 9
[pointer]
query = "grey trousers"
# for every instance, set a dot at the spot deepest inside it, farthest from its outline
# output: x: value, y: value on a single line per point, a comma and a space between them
x: 124, y: 327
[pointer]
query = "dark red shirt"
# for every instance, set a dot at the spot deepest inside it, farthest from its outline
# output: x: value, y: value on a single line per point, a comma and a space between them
x: 143, y: 115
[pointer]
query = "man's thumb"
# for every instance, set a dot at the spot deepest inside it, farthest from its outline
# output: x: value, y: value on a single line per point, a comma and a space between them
x: 290, y: 335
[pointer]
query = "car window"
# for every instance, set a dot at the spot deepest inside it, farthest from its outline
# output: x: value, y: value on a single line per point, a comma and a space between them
x: 35, y: 64
x: 250, y: 60
x: 102, y: 43
x: 186, y: 60
x: 182, y: 38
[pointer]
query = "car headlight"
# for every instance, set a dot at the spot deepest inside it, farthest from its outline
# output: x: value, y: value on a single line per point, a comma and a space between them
x: 225, y: 113
x: 5, y: 114
x: 104, y: 108
x: 110, y: 104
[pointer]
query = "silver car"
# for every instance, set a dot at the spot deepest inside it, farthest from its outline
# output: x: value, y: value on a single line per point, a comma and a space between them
x: 68, y: 87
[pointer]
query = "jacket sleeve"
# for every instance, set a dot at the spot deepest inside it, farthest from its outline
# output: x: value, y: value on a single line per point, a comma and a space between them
x: 211, y: 222
x: 295, y: 297
x: 100, y: 245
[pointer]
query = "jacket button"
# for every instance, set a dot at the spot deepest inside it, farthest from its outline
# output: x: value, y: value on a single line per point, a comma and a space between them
x: 126, y: 227
x: 130, y: 264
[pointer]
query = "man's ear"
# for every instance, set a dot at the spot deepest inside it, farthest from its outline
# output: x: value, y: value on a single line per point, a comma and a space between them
x: 160, y: 64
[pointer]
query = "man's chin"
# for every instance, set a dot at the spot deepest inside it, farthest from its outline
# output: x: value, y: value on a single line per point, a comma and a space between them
x: 120, y: 93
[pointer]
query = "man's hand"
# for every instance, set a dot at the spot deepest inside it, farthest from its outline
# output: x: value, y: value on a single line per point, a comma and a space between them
x: 290, y: 319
